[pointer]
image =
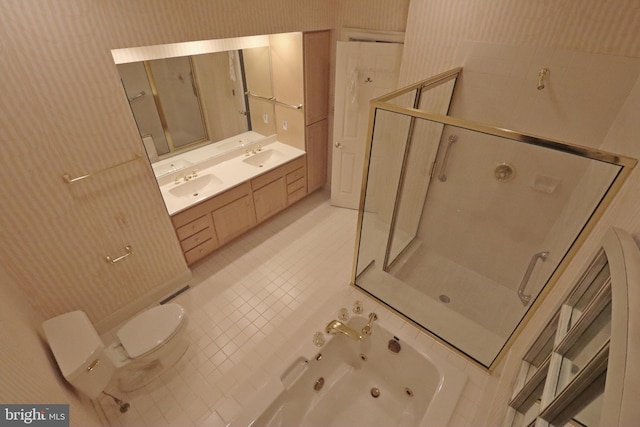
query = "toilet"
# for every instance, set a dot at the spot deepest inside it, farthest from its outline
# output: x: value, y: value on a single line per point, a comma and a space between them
x: 146, y: 346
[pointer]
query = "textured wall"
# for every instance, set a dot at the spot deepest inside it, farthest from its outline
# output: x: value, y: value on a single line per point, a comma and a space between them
x: 63, y: 111
x: 435, y: 29
x: 33, y: 377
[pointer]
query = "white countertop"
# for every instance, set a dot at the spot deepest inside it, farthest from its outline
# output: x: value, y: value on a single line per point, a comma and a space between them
x: 220, y: 173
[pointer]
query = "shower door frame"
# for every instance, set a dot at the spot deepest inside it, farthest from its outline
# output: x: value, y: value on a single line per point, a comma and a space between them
x: 626, y: 166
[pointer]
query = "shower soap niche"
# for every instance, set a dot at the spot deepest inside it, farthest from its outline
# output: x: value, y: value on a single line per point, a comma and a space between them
x: 545, y: 184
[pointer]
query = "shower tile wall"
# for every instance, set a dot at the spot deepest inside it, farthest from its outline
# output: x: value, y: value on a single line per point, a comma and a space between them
x: 581, y: 98
x: 519, y: 215
x: 248, y: 301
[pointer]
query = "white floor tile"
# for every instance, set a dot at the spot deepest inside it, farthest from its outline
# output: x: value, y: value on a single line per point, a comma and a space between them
x: 243, y: 301
x: 246, y: 300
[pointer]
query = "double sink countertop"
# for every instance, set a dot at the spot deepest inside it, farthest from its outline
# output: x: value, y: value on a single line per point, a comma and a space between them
x: 191, y: 183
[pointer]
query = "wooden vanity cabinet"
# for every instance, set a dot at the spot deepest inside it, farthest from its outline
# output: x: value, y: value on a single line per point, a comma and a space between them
x: 316, y: 64
x: 296, y: 180
x: 233, y: 212
x: 270, y: 199
x: 316, y: 136
x: 196, y: 232
x: 212, y: 223
x: 206, y: 226
x: 303, y: 79
x: 277, y: 189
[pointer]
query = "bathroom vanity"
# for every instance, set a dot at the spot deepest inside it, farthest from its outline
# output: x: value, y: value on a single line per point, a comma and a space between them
x: 221, y: 173
x: 206, y: 225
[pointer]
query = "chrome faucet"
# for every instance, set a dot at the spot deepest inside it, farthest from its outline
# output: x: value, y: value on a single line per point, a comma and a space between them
x: 336, y: 326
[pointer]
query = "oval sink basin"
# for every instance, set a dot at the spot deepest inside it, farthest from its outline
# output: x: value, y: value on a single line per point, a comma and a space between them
x: 196, y: 186
x: 267, y: 157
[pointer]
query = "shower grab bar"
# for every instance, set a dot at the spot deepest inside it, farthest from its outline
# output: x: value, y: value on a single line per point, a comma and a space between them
x: 442, y: 176
x: 527, y: 275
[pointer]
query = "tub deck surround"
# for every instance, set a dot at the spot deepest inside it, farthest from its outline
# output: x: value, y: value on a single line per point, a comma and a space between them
x: 345, y: 382
x: 200, y: 181
x: 253, y: 305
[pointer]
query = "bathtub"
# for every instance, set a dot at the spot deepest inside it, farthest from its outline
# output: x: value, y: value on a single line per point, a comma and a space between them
x: 350, y: 383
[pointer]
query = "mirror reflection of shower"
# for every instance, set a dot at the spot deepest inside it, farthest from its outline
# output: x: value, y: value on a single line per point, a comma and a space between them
x: 186, y: 101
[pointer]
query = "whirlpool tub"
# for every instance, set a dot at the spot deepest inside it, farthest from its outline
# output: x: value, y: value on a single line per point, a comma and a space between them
x: 381, y: 381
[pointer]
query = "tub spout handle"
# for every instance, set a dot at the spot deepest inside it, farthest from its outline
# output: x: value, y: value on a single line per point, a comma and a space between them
x: 366, y: 331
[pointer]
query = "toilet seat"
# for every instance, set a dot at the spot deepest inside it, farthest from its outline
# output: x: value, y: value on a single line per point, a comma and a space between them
x: 151, y: 329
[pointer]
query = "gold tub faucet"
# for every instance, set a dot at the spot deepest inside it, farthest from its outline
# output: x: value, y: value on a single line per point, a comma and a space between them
x: 336, y: 326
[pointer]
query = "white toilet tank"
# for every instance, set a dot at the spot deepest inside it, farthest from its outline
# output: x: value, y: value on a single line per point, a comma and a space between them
x: 79, y: 352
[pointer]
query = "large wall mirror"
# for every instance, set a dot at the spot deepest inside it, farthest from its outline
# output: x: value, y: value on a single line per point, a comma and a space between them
x: 188, y: 96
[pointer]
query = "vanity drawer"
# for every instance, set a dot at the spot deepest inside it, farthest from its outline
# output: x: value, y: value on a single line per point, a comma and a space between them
x: 295, y: 164
x: 296, y: 185
x: 266, y: 178
x: 295, y: 175
x: 198, y: 238
x: 296, y: 195
x: 193, y: 227
x: 292, y: 167
x: 189, y: 215
x: 200, y: 251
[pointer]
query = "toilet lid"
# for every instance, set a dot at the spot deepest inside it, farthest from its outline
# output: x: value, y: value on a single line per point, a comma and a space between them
x: 150, y: 329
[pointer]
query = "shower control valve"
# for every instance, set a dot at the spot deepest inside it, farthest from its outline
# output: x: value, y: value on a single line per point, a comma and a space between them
x: 366, y: 331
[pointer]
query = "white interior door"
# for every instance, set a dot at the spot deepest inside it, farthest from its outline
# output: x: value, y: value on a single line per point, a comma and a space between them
x: 364, y: 70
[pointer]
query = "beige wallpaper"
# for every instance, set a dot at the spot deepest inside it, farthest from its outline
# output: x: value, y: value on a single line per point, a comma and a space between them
x: 63, y: 111
x: 33, y: 376
x: 435, y: 29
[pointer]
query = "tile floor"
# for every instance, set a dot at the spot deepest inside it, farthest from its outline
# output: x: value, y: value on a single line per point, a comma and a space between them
x: 246, y: 304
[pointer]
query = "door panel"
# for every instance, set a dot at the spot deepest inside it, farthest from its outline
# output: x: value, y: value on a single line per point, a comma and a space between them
x: 364, y: 70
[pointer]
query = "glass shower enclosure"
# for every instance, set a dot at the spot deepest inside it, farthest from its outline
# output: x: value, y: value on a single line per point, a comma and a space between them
x: 462, y: 226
